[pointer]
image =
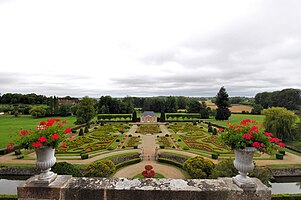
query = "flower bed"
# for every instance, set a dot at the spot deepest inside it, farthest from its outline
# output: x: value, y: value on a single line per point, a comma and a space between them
x: 133, y: 141
x: 148, y: 128
x: 164, y: 141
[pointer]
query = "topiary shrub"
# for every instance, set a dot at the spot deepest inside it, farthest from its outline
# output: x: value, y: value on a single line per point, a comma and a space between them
x: 130, y: 135
x: 166, y: 135
x: 282, y: 152
x: 81, y: 132
x: 198, y: 167
x: 102, y: 123
x: 18, y: 152
x: 117, y: 140
x: 162, y: 147
x: 86, y: 129
x: 157, y: 136
x: 214, y: 132
x: 194, y: 123
x: 214, y: 156
x: 279, y: 156
x: 101, y: 169
x: 64, y: 168
x: 210, y: 129
x: 84, y: 156
x: 123, y: 147
x: 179, y: 140
x: 138, y: 136
x: 135, y: 147
x: 173, y: 147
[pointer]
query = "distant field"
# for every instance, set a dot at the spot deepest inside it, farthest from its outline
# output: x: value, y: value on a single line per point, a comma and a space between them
x: 233, y: 108
x: 10, y: 125
x: 236, y: 118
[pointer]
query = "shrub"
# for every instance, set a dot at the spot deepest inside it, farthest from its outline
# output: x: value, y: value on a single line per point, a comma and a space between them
x: 162, y: 147
x: 166, y: 135
x: 210, y: 129
x: 64, y: 168
x: 123, y: 147
x: 138, y: 136
x: 95, y: 128
x: 214, y: 156
x: 279, y: 156
x: 84, y: 156
x: 81, y: 132
x: 194, y: 123
x: 86, y: 129
x: 198, y: 167
x: 173, y: 147
x: 117, y: 140
x: 282, y: 152
x: 135, y: 147
x: 101, y: 169
x: 179, y: 140
x: 160, y: 131
x: 214, y: 131
x: 130, y: 135
x: 73, y: 131
x: 18, y: 152
x: 157, y: 136
x: 102, y: 123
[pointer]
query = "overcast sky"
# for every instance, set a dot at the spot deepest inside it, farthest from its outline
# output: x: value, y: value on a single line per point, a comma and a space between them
x: 149, y: 48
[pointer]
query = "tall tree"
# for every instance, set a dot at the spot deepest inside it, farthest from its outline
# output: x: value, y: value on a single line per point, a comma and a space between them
x: 162, y: 117
x: 279, y: 121
x: 204, y: 111
x: 85, y: 111
x: 194, y: 106
x: 222, y: 103
x: 134, y: 116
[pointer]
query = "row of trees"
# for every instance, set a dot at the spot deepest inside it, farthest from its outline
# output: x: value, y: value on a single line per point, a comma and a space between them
x: 287, y: 98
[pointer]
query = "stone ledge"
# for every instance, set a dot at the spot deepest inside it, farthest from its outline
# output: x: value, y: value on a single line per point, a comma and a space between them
x: 146, y: 189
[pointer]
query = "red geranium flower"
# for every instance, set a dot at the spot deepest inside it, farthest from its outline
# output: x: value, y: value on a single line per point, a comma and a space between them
x: 68, y: 130
x: 256, y: 144
x: 55, y: 136
x: 42, y: 139
x: 36, y: 144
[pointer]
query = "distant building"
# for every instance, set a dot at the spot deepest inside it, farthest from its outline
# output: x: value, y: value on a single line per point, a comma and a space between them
x: 148, y: 117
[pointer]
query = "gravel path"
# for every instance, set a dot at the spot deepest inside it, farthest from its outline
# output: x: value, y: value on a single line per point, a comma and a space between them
x: 166, y: 170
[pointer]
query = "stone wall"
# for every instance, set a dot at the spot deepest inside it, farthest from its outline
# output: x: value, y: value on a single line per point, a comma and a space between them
x: 124, y: 158
x: 66, y: 187
x: 175, y: 158
x: 18, y: 171
x: 285, y: 172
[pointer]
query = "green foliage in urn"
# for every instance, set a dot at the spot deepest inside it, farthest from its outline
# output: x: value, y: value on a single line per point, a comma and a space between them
x: 198, y: 167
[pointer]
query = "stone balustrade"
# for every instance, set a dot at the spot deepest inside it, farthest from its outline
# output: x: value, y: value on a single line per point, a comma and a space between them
x: 67, y: 187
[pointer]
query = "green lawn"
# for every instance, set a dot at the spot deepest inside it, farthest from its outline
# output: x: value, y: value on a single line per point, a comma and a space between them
x: 236, y: 118
x: 10, y: 125
x: 156, y: 176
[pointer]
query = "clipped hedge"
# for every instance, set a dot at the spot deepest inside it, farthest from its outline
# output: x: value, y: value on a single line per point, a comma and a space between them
x: 286, y: 196
x: 8, y: 197
x: 127, y: 163
x: 171, y: 162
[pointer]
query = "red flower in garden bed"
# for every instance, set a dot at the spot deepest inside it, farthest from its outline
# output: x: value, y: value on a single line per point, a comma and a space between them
x: 148, y: 172
x: 248, y: 134
x: 48, y: 133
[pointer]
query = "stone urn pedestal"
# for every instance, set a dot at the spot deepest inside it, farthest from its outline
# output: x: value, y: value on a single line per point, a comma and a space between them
x: 244, y: 164
x: 45, y: 160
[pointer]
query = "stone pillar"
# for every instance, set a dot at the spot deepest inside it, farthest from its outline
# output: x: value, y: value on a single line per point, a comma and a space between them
x: 33, y: 189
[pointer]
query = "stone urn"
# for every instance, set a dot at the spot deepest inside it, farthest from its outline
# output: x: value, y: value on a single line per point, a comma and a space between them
x: 244, y: 164
x: 45, y: 160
